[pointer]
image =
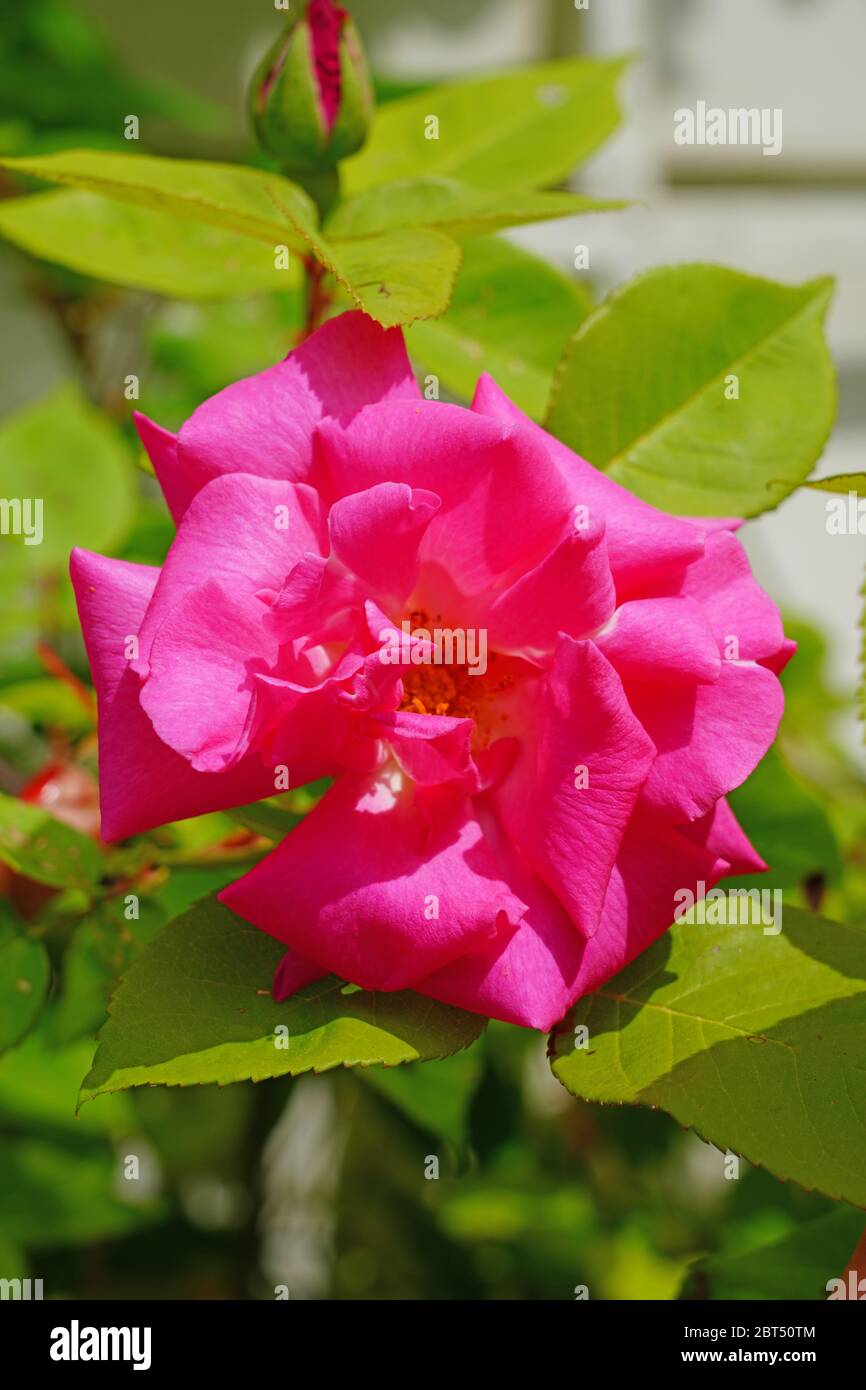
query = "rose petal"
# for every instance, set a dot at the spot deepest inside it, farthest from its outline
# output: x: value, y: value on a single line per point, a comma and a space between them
x: 709, y: 737
x: 571, y: 590
x: 643, y: 544
x: 380, y: 884
x: 142, y: 783
x: 664, y: 640
x: 265, y: 423
x: 582, y: 763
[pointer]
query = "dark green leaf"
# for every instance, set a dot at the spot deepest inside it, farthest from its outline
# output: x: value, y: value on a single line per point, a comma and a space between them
x: 196, y: 1007
x: 435, y: 1097
x: 270, y: 817
x: 54, y: 1194
x: 787, y: 824
x: 102, y: 948
x: 47, y: 702
x: 39, y: 1089
x: 24, y: 978
x: 758, y: 1042
x: 797, y: 1265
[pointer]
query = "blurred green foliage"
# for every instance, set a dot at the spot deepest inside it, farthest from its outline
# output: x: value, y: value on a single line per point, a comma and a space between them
x: 62, y: 85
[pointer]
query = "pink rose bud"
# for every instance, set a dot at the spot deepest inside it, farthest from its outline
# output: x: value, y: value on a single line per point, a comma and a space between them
x: 310, y: 99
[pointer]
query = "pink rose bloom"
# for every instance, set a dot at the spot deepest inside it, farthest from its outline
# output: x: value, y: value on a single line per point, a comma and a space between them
x: 504, y: 832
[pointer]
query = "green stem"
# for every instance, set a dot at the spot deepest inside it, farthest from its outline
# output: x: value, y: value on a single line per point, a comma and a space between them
x: 127, y: 863
x: 203, y: 858
x: 317, y: 297
x: 323, y: 186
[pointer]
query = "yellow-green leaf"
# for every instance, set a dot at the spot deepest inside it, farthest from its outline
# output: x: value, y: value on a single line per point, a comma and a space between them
x: 125, y: 244
x: 705, y: 391
x: 521, y: 129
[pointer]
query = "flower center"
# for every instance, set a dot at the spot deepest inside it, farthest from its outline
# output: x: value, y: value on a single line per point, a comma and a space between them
x: 448, y: 671
x: 453, y: 690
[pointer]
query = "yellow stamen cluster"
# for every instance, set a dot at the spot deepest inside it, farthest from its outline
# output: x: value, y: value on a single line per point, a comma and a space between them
x: 455, y: 690
x: 452, y: 690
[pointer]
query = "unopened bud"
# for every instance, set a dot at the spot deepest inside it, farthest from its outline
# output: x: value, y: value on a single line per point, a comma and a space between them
x: 310, y: 99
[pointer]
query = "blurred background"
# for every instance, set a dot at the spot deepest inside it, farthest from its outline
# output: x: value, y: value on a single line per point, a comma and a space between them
x: 321, y: 1187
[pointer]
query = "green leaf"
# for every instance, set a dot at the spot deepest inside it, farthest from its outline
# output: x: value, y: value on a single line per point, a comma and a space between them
x: 510, y: 130
x: 62, y: 452
x: 252, y: 202
x: 840, y: 482
x: 270, y: 817
x: 129, y: 245
x: 787, y: 824
x: 861, y: 692
x: 487, y: 327
x: 39, y: 1089
x: 101, y: 949
x: 796, y: 1265
x: 13, y: 1261
x: 643, y: 389
x: 47, y: 702
x: 205, y: 345
x: 757, y: 1042
x: 437, y: 1098
x: 56, y: 1194
x: 454, y: 207
x: 36, y: 845
x: 25, y: 975
x: 397, y: 277
x: 196, y: 1007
